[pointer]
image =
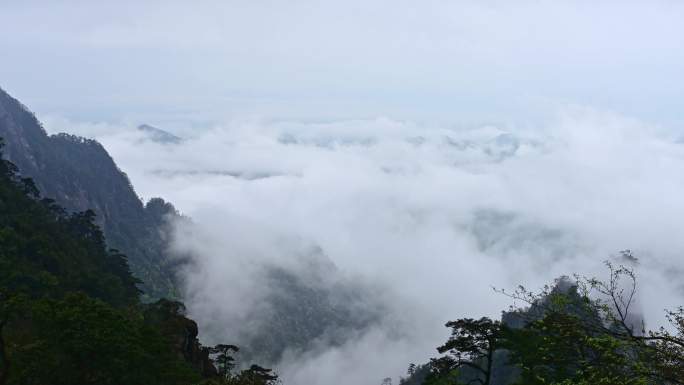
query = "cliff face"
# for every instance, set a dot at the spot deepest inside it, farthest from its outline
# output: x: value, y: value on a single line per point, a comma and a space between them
x: 79, y: 174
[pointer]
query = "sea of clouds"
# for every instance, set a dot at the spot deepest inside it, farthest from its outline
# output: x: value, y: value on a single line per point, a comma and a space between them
x: 430, y: 217
x: 422, y: 215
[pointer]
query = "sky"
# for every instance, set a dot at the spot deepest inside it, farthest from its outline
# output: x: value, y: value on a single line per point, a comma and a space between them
x: 456, y: 61
x: 431, y: 149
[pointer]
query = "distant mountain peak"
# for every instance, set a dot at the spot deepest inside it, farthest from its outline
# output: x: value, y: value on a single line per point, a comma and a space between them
x: 158, y: 135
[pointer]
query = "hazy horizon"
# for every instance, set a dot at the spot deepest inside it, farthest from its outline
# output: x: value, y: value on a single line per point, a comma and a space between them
x: 179, y: 63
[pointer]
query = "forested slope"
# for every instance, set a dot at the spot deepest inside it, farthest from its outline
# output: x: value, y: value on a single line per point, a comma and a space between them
x: 69, y: 309
x: 79, y: 174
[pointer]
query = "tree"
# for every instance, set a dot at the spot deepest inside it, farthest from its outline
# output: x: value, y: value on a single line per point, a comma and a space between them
x: 223, y: 358
x: 559, y: 348
x: 580, y: 331
x: 471, y: 347
x: 69, y: 309
x: 416, y: 374
x: 411, y: 370
x: 668, y: 348
x: 255, y: 375
x: 225, y: 363
x: 586, y: 332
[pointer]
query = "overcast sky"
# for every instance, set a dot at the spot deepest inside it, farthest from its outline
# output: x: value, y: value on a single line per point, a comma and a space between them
x: 454, y: 61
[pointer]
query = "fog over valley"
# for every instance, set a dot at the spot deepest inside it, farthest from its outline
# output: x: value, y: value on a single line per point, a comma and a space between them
x: 318, y: 187
x: 422, y: 220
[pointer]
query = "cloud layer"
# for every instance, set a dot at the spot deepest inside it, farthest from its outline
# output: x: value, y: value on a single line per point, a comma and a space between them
x: 431, y: 216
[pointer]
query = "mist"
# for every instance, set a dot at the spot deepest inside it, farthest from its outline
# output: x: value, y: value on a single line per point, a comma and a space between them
x: 423, y: 220
x: 398, y: 160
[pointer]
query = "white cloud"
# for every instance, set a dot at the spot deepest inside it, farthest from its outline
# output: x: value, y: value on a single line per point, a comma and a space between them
x: 435, y: 215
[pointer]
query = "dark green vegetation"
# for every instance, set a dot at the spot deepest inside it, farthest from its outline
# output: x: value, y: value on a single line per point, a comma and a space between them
x: 70, y: 311
x: 578, y: 332
x: 79, y: 175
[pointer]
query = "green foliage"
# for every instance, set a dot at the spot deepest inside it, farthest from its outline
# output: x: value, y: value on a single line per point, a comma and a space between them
x: 45, y: 252
x: 69, y: 309
x: 577, y: 332
x: 415, y: 374
x: 667, y: 348
x: 255, y: 375
x: 80, y: 340
x: 225, y: 362
x: 560, y: 349
x: 470, y: 351
x: 79, y: 174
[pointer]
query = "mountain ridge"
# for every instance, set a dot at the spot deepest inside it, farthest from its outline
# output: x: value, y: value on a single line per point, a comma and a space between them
x: 158, y: 135
x: 79, y: 174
